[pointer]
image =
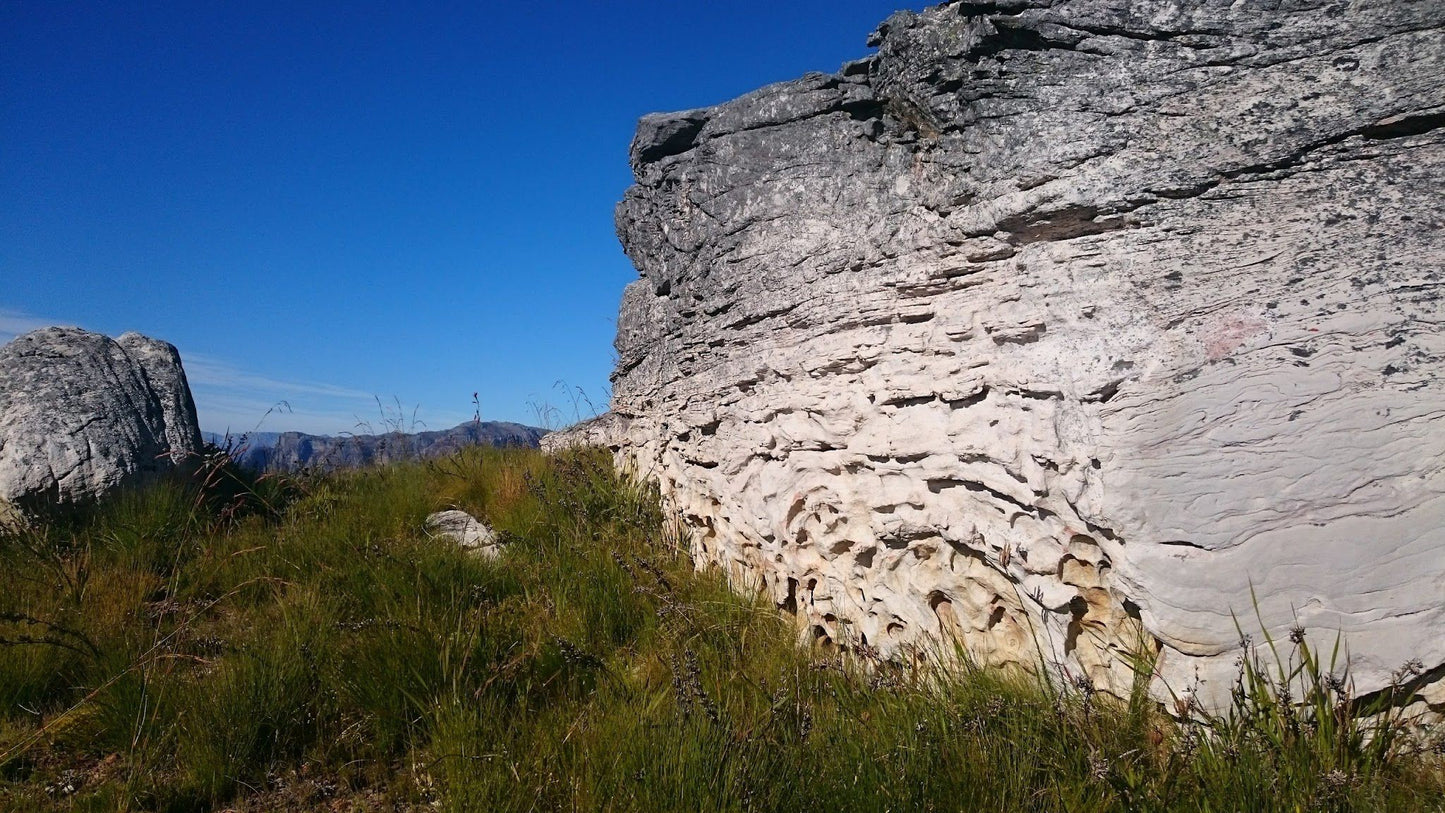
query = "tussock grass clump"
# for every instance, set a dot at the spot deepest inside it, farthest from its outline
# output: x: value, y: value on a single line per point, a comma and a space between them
x: 303, y: 644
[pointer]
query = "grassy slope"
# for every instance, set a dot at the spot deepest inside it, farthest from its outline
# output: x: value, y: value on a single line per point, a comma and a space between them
x: 329, y: 655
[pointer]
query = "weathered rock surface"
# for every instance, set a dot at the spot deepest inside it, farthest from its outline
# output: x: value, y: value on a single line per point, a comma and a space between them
x: 1056, y: 328
x: 608, y: 430
x: 161, y: 364
x: 467, y: 531
x: 81, y: 414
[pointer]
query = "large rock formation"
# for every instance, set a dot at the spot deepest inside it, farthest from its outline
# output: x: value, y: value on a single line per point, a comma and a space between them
x: 81, y: 414
x: 1057, y: 329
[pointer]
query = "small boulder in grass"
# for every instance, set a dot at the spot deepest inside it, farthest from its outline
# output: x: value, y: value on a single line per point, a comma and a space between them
x: 467, y: 531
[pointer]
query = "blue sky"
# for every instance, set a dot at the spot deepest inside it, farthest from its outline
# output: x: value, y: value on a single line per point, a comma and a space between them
x: 331, y: 204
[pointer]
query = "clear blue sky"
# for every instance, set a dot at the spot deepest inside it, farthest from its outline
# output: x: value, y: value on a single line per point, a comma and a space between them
x: 329, y: 203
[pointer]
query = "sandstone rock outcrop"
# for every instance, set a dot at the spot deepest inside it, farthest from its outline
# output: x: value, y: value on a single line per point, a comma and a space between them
x: 1056, y: 329
x: 81, y: 414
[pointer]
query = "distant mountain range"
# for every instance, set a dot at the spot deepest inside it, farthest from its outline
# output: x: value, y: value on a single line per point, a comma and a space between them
x: 290, y: 451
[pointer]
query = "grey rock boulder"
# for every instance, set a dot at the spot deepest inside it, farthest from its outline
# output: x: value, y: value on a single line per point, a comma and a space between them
x: 161, y: 364
x: 466, y: 531
x: 82, y: 415
x: 1062, y: 329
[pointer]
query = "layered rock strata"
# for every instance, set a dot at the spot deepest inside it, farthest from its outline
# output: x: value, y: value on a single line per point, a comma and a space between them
x: 82, y: 414
x: 1063, y: 331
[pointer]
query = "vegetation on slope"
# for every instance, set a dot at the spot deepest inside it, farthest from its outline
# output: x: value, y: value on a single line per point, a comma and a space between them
x: 303, y: 644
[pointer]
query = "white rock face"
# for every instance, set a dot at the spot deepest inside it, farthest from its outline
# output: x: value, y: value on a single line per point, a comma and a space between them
x: 1058, y: 331
x: 467, y: 531
x: 605, y: 430
x: 161, y: 363
x: 81, y: 414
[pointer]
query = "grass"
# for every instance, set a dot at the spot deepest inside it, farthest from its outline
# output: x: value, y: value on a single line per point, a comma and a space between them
x: 304, y: 645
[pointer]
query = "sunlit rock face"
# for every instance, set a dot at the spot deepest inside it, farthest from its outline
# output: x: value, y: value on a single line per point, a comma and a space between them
x: 82, y: 414
x: 1058, y: 331
x: 605, y: 430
